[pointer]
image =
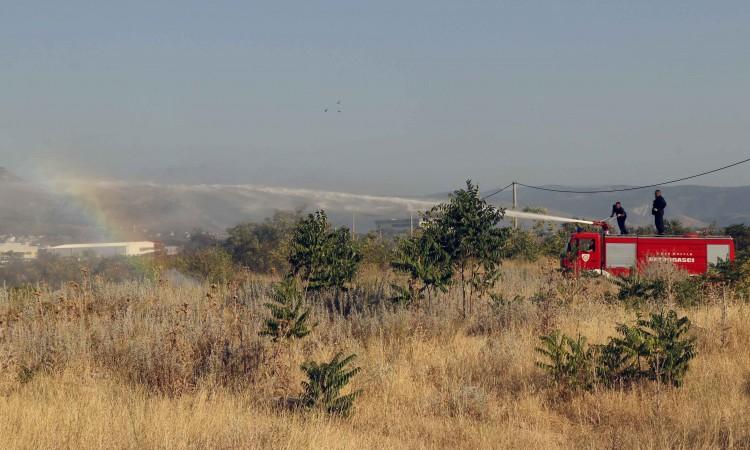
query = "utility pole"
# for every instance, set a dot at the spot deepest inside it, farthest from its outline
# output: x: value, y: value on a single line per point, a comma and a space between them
x: 411, y: 223
x: 515, y: 204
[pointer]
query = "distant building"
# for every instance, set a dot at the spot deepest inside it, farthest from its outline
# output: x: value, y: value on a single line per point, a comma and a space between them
x: 171, y: 250
x: 106, y: 249
x: 11, y: 250
x: 396, y: 226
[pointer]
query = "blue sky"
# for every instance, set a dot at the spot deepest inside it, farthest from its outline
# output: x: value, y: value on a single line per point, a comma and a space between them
x: 432, y: 92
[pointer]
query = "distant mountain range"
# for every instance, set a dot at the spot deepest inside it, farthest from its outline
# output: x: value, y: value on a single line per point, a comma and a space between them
x: 123, y: 210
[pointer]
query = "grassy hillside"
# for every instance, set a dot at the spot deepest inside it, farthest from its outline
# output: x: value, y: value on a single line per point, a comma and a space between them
x: 164, y: 365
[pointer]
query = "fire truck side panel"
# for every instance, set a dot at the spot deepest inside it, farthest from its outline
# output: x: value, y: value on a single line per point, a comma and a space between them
x: 620, y: 254
x: 686, y: 253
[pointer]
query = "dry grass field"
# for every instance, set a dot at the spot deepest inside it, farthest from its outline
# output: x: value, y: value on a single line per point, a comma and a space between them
x: 166, y: 365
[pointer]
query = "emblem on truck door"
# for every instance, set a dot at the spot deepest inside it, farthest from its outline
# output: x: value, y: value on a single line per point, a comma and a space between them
x: 585, y: 257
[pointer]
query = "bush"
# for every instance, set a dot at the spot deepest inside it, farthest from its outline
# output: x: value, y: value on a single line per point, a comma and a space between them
x: 426, y: 263
x: 213, y: 264
x: 324, y: 258
x: 735, y: 274
x: 635, y: 287
x: 683, y: 290
x: 288, y: 315
x: 572, y: 363
x: 325, y: 382
x: 656, y: 349
x: 262, y: 247
x: 521, y: 244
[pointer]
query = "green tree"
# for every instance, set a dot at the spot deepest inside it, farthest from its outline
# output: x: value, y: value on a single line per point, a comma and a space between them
x: 519, y: 243
x: 289, y: 317
x: 426, y: 263
x: 468, y: 231
x: 376, y: 250
x: 338, y: 263
x: 308, y: 245
x: 656, y: 348
x: 741, y: 234
x: 323, y: 257
x: 262, y: 247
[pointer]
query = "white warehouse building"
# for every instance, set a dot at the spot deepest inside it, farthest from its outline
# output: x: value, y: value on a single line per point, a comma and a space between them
x: 105, y: 249
x: 10, y: 250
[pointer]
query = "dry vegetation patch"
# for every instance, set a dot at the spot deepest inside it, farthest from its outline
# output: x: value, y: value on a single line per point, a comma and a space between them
x: 164, y: 365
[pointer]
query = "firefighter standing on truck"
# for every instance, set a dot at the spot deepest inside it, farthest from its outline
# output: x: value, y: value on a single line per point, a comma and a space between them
x: 619, y: 211
x: 658, y: 211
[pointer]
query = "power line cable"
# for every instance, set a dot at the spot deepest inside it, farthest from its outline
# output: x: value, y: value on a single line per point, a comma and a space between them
x: 634, y: 188
x: 497, y: 191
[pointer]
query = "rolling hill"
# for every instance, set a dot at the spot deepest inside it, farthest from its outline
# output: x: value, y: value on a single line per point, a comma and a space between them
x: 93, y: 210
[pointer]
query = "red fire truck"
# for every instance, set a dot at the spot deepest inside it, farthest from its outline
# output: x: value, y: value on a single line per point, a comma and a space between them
x: 619, y: 255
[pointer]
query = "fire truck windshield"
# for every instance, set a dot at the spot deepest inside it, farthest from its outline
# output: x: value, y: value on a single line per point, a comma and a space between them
x: 586, y: 245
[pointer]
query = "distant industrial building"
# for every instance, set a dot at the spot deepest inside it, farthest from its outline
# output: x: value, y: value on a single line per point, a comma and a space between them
x: 17, y: 250
x: 106, y: 249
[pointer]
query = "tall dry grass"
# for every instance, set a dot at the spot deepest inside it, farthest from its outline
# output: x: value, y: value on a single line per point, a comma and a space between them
x: 167, y: 365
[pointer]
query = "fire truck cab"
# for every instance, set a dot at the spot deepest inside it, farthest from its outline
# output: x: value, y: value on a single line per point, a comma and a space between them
x: 619, y: 255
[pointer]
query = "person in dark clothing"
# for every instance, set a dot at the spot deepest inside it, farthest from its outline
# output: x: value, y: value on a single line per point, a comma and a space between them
x: 619, y: 211
x: 658, y: 211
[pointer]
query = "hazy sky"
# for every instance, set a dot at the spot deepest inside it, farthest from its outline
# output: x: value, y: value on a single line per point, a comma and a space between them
x: 432, y: 92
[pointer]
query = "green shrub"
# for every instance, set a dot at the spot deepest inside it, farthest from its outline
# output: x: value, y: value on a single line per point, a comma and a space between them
x: 635, y: 287
x: 571, y: 362
x: 686, y: 291
x: 262, y: 247
x: 427, y: 264
x: 323, y: 257
x: 213, y: 264
x: 521, y: 244
x: 735, y: 274
x: 689, y: 292
x: 657, y: 349
x: 289, y: 317
x: 325, y: 382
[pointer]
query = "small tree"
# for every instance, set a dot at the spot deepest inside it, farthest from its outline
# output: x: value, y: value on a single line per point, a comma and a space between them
x: 426, y: 262
x: 338, y: 262
x: 521, y: 244
x: 571, y: 362
x: 309, y: 240
x: 324, y: 384
x: 262, y: 247
x: 322, y: 257
x: 468, y: 231
x: 656, y: 348
x: 289, y: 317
x: 669, y: 350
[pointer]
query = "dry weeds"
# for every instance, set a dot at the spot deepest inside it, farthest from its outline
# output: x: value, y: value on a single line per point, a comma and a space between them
x: 161, y: 365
